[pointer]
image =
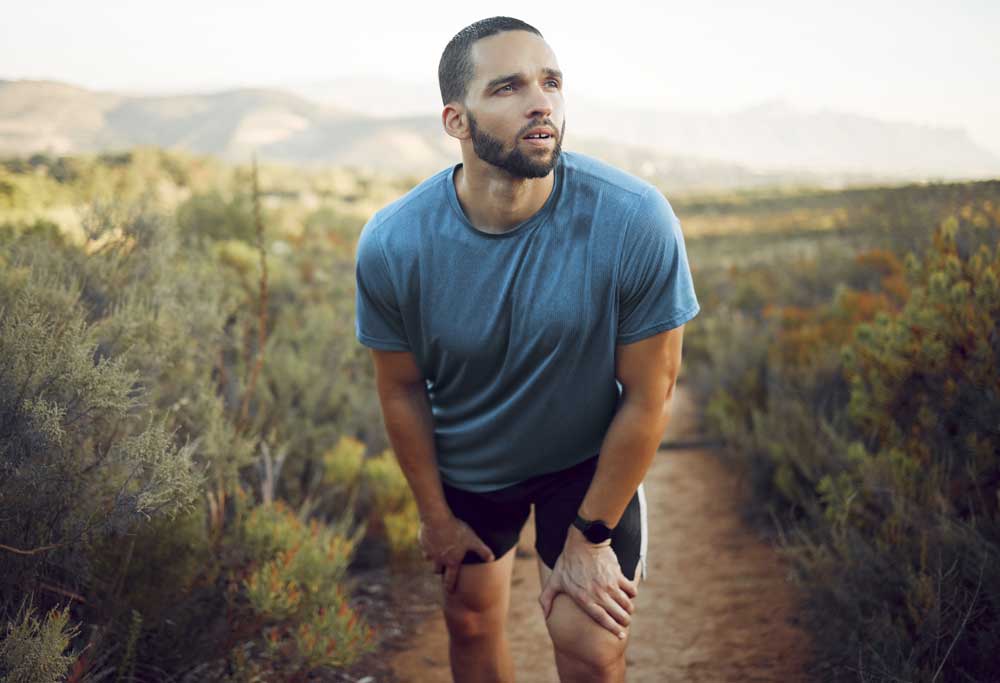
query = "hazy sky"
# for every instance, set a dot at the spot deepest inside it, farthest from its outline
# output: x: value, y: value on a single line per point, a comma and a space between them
x: 919, y: 60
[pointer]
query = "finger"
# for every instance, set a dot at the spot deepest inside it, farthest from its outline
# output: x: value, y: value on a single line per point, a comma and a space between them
x: 548, y: 595
x: 631, y: 588
x: 451, y: 577
x: 483, y: 550
x: 475, y: 544
x: 616, y: 611
x: 622, y: 599
x: 601, y: 616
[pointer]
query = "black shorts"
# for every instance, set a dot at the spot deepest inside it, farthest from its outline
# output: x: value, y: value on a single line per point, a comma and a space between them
x: 498, y: 516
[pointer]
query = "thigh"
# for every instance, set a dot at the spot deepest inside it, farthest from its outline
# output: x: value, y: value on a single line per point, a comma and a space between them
x: 575, y: 634
x: 481, y: 598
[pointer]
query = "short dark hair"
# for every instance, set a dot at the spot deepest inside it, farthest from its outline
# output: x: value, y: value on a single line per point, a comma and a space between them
x: 456, y: 69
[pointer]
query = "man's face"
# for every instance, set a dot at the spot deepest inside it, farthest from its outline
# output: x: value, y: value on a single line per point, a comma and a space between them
x: 515, y: 104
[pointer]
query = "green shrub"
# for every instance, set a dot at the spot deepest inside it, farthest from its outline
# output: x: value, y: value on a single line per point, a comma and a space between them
x: 393, y: 512
x: 124, y: 366
x: 32, y: 648
x: 343, y: 464
x: 73, y: 467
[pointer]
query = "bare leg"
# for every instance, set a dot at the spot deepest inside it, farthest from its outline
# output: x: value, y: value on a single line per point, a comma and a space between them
x: 476, y: 615
x: 586, y: 652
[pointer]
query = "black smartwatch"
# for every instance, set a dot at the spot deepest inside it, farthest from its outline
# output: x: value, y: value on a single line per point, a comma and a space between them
x: 595, y: 532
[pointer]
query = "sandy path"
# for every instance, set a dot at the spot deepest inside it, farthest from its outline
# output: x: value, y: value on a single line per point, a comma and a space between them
x: 715, y: 608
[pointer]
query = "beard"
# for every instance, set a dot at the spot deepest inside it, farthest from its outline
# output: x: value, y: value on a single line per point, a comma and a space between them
x: 514, y: 162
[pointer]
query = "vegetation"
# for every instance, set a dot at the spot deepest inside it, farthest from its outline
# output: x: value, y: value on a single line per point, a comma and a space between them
x: 182, y: 406
x: 857, y: 382
x: 193, y: 470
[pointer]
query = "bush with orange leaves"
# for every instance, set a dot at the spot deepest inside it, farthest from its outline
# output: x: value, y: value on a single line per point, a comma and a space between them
x: 293, y: 590
x: 906, y: 555
x: 802, y: 332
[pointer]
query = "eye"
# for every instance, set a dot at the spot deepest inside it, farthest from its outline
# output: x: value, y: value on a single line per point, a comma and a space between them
x: 553, y: 82
x: 506, y: 88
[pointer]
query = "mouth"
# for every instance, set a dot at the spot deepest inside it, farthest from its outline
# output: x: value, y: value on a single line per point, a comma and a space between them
x: 540, y: 133
x: 540, y: 137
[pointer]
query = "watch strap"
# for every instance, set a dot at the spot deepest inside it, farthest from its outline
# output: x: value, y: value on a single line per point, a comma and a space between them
x: 595, y: 531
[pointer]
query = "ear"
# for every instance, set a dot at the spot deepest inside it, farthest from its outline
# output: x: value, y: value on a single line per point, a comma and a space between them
x: 455, y: 123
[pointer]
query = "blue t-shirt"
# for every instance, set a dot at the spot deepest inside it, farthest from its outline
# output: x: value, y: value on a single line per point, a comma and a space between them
x: 516, y: 332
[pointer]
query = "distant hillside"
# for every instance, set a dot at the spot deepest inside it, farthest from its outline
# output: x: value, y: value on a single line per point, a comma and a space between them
x: 62, y: 119
x: 279, y: 125
x: 42, y: 115
x: 773, y: 135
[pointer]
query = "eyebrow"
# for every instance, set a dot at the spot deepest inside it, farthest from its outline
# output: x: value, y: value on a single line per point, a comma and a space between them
x: 551, y: 73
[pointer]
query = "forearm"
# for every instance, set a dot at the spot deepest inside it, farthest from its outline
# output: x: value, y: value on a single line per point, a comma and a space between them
x: 410, y: 426
x: 626, y: 453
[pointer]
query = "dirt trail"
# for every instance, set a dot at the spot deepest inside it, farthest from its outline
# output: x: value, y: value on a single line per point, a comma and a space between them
x: 716, y: 607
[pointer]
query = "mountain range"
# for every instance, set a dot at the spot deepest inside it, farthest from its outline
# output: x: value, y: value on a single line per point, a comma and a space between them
x: 379, y: 125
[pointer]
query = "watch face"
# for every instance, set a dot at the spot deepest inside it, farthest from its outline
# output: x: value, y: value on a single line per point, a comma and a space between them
x: 597, y: 532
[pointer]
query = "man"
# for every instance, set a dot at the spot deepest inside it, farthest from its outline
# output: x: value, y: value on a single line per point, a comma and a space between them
x: 525, y: 312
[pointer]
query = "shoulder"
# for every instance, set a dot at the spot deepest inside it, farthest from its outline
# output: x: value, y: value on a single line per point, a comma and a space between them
x: 586, y: 172
x: 396, y: 219
x: 617, y: 194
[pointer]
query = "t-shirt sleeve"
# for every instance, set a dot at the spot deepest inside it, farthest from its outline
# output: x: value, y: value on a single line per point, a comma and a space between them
x: 656, y: 291
x: 379, y: 320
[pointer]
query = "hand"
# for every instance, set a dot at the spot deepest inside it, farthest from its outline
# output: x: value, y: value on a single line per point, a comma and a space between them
x: 445, y: 543
x: 591, y: 575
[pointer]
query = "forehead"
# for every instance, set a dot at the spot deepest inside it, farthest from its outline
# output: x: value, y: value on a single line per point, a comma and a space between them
x: 510, y: 52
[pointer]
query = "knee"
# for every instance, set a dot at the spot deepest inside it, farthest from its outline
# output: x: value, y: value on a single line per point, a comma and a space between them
x: 467, y: 621
x: 578, y: 637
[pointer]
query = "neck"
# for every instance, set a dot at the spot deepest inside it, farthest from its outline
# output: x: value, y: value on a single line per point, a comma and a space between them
x: 495, y: 201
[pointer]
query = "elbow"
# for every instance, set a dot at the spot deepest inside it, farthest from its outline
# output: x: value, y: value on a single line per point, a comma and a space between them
x: 668, y: 395
x: 396, y: 390
x: 665, y: 391
x: 665, y: 403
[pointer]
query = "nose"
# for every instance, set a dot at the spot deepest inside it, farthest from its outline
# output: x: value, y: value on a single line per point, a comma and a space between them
x: 540, y: 103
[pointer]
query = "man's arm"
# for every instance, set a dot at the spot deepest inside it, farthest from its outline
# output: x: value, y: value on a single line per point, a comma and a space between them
x: 591, y: 575
x: 406, y: 410
x: 409, y: 423
x: 648, y: 372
